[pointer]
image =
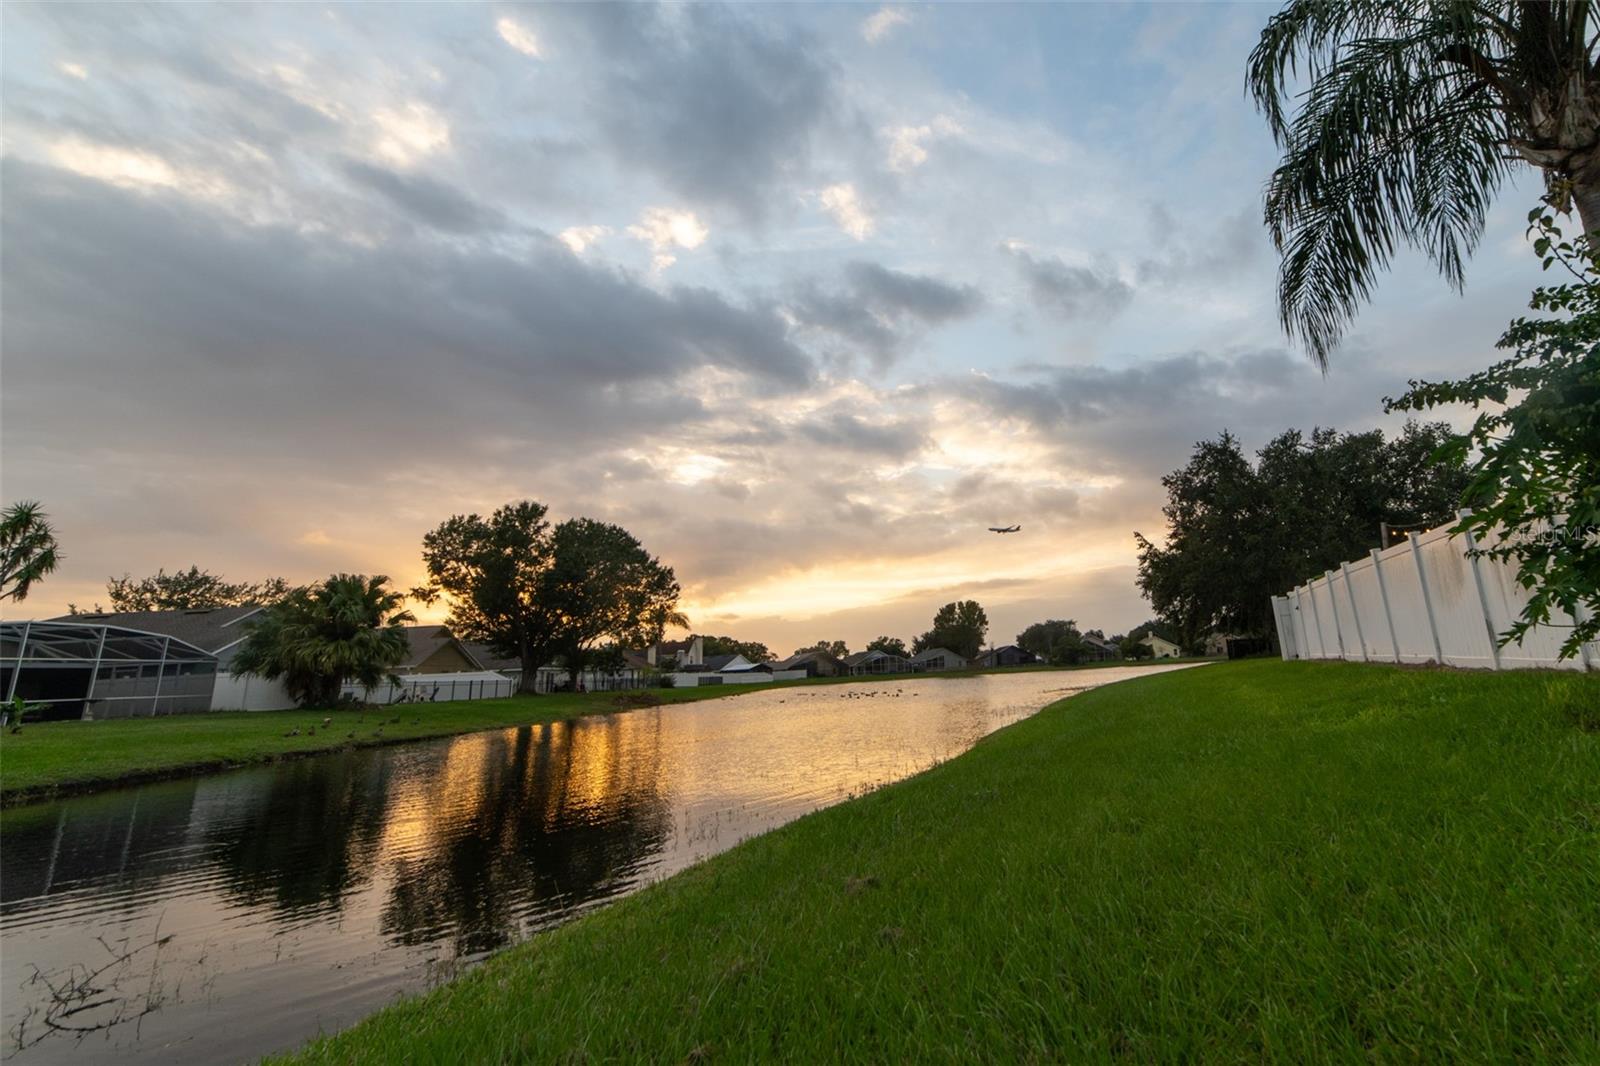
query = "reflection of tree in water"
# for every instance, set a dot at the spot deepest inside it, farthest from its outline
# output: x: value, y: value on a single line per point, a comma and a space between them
x: 567, y: 813
x: 135, y: 840
x: 310, y: 838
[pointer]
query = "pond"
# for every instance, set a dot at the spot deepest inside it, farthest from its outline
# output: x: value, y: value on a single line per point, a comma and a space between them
x: 221, y: 918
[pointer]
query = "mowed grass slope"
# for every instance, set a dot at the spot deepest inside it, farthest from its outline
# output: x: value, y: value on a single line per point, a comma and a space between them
x: 1258, y: 861
x: 79, y: 755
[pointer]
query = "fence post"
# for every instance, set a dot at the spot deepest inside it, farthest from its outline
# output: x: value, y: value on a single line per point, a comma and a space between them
x: 1355, y: 610
x: 1383, y: 594
x: 1316, y: 616
x: 1483, y: 594
x: 1427, y: 599
x: 1333, y: 603
x: 1580, y: 614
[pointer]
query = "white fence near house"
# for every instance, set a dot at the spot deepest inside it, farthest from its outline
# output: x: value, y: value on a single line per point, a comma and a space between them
x: 737, y: 677
x: 436, y: 688
x: 1424, y: 600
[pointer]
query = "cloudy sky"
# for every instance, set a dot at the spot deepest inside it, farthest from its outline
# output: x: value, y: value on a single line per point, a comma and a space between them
x: 804, y: 296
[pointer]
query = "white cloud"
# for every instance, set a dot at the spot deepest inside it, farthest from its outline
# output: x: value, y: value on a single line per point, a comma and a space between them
x: 74, y: 70
x: 579, y: 238
x: 133, y: 168
x: 519, y: 37
x: 664, y: 228
x: 907, y: 149
x: 410, y: 132
x: 845, y: 206
x: 877, y: 25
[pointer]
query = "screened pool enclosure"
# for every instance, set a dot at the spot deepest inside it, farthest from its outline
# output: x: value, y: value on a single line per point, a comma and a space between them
x: 82, y: 670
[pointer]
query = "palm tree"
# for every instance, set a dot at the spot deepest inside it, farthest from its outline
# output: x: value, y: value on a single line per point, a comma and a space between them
x: 27, y: 549
x: 349, y: 628
x: 1414, y: 113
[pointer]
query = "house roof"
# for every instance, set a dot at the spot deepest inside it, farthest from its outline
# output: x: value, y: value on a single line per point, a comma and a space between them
x: 799, y: 658
x: 995, y: 653
x: 673, y: 647
x: 863, y: 656
x: 1097, y: 642
x: 425, y: 640
x: 209, y: 629
x: 486, y: 658
x: 928, y: 653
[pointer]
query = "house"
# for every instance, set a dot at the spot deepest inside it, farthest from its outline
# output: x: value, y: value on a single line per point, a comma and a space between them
x: 434, y: 650
x: 814, y: 663
x: 685, y: 653
x: 876, y: 662
x: 113, y: 664
x: 1098, y: 650
x: 1008, y: 655
x: 935, y: 659
x: 1163, y: 648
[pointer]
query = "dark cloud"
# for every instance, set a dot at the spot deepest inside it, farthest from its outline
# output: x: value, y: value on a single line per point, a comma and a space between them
x: 881, y: 311
x: 875, y: 437
x: 1142, y: 419
x: 926, y: 299
x: 720, y: 109
x: 1235, y: 243
x: 431, y: 202
x: 1070, y: 292
x: 261, y: 331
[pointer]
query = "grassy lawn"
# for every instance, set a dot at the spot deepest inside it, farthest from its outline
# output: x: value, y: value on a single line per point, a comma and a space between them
x: 72, y: 755
x: 1252, y: 861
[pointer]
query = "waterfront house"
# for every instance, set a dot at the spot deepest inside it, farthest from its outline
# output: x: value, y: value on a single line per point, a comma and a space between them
x: 1007, y: 655
x: 876, y: 662
x: 934, y: 660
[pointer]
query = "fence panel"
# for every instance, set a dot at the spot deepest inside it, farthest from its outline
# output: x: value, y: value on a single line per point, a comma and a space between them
x: 1425, y: 600
x: 1407, y: 604
x: 1361, y: 578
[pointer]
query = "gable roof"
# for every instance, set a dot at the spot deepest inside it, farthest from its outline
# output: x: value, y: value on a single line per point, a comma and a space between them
x: 486, y: 658
x: 425, y: 640
x: 1104, y: 645
x: 801, y: 657
x: 207, y: 628
x: 928, y: 653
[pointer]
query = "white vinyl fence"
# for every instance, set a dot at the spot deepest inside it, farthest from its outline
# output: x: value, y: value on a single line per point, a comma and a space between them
x: 1424, y: 600
x: 436, y: 688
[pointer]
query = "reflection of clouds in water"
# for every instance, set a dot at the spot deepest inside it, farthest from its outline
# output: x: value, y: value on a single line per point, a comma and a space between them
x: 304, y: 895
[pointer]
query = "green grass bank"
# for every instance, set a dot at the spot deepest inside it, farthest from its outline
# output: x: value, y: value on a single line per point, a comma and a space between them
x: 1258, y: 861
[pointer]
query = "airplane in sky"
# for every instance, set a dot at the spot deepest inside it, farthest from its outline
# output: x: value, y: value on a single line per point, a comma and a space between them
x: 1004, y: 529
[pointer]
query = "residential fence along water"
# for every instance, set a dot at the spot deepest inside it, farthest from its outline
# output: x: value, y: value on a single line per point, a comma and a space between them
x: 1426, y: 599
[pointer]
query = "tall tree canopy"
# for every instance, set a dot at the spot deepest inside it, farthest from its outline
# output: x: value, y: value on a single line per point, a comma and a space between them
x: 1240, y: 533
x: 753, y: 650
x: 836, y: 648
x: 890, y: 646
x: 190, y: 590
x: 960, y: 626
x: 1412, y: 116
x: 492, y: 570
x: 28, y: 549
x: 532, y: 592
x: 602, y: 586
x: 1055, y: 641
x: 348, y: 628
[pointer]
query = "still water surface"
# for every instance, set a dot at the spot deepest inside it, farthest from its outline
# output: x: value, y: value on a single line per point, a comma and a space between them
x: 221, y: 918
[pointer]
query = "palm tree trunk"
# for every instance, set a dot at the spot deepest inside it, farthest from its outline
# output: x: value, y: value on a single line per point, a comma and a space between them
x: 1587, y: 196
